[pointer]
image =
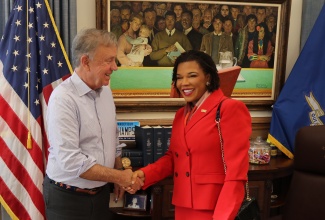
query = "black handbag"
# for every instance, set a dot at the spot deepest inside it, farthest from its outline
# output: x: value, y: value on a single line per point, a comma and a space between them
x: 249, y: 209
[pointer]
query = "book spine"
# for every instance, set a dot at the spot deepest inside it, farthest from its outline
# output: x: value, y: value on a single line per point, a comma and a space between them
x: 158, y: 143
x: 167, y: 134
x: 136, y: 161
x: 144, y: 142
x: 132, y: 153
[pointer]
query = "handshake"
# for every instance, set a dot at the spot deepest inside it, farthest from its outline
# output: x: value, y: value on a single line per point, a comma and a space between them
x: 131, y: 181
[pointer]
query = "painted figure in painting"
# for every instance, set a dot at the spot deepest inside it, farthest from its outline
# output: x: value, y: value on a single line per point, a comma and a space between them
x: 140, y: 46
x: 260, y: 48
x: 165, y: 41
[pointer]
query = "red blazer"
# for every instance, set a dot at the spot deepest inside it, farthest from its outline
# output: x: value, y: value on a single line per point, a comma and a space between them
x: 194, y: 158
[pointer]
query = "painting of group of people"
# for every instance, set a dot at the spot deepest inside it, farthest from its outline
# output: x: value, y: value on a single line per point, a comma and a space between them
x: 151, y: 33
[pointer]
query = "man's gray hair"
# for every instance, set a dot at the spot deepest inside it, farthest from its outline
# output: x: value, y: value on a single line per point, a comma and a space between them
x: 88, y: 40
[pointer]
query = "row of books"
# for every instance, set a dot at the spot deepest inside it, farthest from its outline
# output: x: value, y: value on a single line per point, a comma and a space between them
x: 135, y: 155
x: 151, y: 144
x: 153, y: 141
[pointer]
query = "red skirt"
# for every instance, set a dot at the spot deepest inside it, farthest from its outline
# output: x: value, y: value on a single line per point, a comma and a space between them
x: 182, y: 213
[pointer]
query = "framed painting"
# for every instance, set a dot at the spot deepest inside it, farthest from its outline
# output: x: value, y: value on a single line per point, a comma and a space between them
x: 141, y: 83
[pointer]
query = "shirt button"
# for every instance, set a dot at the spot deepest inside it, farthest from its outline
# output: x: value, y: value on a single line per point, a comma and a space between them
x: 176, y: 154
x: 187, y: 174
x: 176, y: 174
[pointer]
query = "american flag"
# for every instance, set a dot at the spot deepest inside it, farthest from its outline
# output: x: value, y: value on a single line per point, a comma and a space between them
x: 32, y: 63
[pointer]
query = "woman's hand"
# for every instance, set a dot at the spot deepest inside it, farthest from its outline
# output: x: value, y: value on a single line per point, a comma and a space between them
x: 264, y: 58
x: 148, y: 50
x: 138, y: 179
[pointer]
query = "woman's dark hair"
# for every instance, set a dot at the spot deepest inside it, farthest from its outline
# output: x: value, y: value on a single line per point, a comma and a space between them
x: 251, y: 16
x: 170, y: 13
x: 158, y: 18
x: 266, y: 38
x: 180, y: 4
x: 204, y: 61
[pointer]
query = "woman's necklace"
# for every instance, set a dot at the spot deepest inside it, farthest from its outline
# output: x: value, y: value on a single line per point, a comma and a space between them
x: 260, y: 44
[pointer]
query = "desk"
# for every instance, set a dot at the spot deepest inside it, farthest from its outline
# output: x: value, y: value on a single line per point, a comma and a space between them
x: 262, y: 179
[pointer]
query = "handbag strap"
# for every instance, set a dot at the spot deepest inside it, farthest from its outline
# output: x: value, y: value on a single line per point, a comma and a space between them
x: 217, y: 120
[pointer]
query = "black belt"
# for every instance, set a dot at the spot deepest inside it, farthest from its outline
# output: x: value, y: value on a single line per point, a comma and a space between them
x: 92, y: 191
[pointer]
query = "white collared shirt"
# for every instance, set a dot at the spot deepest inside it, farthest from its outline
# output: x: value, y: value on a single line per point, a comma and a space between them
x: 219, y: 34
x: 171, y: 32
x: 228, y: 34
x: 187, y: 30
x: 82, y: 132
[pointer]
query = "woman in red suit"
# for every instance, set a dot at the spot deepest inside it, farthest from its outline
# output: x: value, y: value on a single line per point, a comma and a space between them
x: 202, y: 190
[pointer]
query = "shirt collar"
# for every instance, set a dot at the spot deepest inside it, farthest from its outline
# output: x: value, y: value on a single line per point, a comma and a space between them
x: 81, y: 86
x: 189, y: 106
x: 187, y: 30
x: 229, y: 34
x: 172, y: 31
x: 214, y: 33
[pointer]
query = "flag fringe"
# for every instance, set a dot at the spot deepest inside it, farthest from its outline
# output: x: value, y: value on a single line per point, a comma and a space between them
x: 274, y: 141
x: 8, y: 210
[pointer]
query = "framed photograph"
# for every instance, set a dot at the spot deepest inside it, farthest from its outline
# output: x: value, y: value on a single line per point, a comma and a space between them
x: 135, y: 202
x: 113, y: 204
x: 150, y: 84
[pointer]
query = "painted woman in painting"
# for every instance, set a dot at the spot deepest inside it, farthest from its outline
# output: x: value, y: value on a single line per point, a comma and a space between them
x: 260, y: 48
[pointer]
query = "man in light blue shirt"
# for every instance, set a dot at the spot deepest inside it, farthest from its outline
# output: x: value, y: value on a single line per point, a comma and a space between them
x: 83, y: 136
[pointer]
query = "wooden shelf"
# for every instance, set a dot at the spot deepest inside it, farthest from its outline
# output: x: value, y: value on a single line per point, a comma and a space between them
x: 277, y: 203
x: 123, y: 212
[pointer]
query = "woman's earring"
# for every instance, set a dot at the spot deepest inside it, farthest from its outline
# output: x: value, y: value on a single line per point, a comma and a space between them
x: 207, y: 84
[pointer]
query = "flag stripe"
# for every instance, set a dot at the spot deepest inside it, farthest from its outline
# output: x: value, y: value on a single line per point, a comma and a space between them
x: 32, y: 63
x: 18, y: 108
x: 13, y: 148
x: 20, y: 131
x: 18, y: 198
x: 10, y: 202
x: 23, y: 167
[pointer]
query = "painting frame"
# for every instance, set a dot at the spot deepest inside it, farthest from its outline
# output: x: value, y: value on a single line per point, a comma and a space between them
x: 136, y: 202
x: 156, y: 102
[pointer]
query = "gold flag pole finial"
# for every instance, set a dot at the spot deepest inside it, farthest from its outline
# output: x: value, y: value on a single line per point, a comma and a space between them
x: 29, y: 141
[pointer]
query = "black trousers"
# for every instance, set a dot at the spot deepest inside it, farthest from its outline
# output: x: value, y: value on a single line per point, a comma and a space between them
x: 62, y: 204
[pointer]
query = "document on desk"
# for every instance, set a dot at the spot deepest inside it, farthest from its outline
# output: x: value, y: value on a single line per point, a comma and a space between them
x: 240, y: 78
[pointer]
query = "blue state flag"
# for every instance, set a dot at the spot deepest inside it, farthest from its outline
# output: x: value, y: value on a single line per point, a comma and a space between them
x: 32, y: 63
x: 302, y: 99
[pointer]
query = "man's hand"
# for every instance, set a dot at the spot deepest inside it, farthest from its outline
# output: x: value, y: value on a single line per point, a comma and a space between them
x: 137, y: 180
x: 171, y: 48
x: 118, y: 192
x: 125, y: 178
